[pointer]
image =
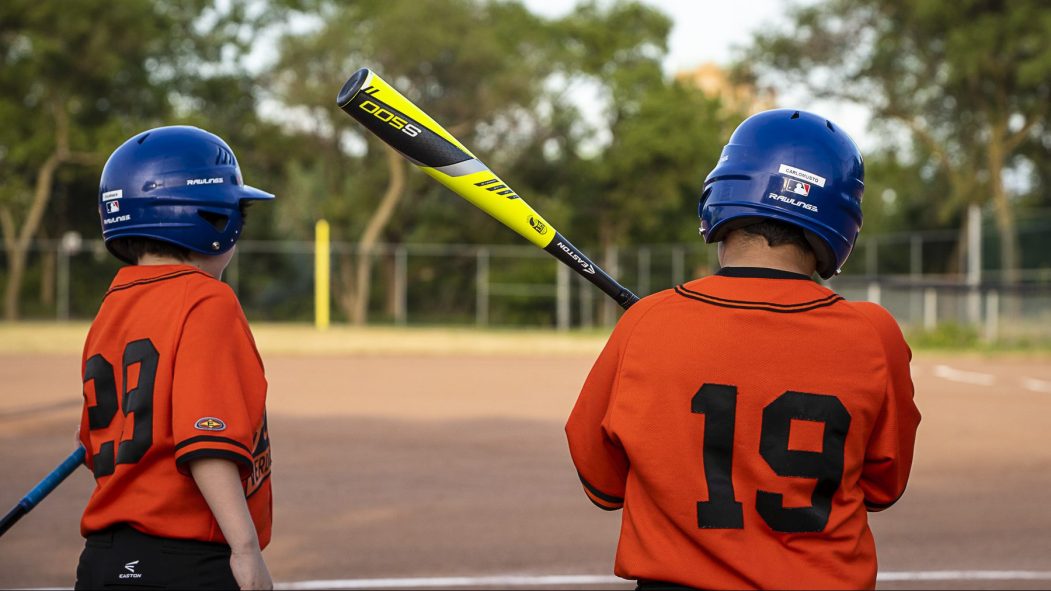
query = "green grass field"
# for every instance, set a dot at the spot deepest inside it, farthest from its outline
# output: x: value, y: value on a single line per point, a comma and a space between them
x: 293, y: 338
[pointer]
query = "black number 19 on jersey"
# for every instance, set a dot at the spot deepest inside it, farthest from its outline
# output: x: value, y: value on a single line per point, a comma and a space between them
x: 718, y: 404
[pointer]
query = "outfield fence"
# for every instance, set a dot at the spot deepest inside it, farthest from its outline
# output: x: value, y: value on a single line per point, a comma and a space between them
x: 518, y: 285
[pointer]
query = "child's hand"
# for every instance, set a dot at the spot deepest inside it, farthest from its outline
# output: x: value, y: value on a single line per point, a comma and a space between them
x: 250, y: 571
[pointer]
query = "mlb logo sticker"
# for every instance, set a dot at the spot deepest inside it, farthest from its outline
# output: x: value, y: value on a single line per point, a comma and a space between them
x: 797, y: 187
x: 112, y: 206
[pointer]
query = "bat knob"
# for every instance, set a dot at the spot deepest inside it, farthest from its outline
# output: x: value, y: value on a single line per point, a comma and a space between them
x: 351, y: 87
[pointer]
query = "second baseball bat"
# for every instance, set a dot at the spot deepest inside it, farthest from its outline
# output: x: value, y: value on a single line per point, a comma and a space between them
x: 406, y: 128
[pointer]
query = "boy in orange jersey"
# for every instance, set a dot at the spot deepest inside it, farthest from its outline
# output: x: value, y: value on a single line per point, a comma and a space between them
x: 174, y: 419
x: 746, y: 422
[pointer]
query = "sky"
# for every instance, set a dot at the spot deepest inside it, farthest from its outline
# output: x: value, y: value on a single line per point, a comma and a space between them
x: 708, y: 30
x: 704, y: 30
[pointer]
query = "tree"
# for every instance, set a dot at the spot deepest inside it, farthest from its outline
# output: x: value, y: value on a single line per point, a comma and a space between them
x: 76, y: 83
x: 642, y: 185
x: 468, y: 63
x: 969, y: 80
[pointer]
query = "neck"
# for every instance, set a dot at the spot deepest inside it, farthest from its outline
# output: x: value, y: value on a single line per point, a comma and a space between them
x: 755, y: 252
x: 157, y: 259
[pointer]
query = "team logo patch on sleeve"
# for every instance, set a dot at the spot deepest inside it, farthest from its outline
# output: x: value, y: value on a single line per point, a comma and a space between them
x: 209, y: 424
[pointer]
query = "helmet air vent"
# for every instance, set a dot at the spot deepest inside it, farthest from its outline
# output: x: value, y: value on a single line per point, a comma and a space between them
x: 828, y: 124
x: 217, y: 220
x: 795, y: 115
x: 143, y: 138
x: 223, y: 157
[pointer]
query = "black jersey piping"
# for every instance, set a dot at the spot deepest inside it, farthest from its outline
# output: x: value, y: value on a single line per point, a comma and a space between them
x: 601, y: 506
x: 139, y: 282
x: 881, y: 506
x: 216, y: 438
x: 601, y: 495
x: 221, y: 454
x: 831, y: 296
x: 761, y: 306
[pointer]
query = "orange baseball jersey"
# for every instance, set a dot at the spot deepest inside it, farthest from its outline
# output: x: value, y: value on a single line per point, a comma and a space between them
x: 171, y: 374
x: 745, y: 422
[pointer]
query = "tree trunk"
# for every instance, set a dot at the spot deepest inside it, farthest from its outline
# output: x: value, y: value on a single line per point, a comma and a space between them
x: 380, y: 217
x: 18, y: 247
x: 17, y: 240
x: 1006, y: 224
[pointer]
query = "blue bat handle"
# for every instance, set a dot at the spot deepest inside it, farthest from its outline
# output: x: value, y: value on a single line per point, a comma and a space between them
x: 48, y: 484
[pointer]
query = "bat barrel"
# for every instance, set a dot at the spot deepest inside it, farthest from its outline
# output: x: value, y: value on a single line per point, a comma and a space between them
x: 404, y: 127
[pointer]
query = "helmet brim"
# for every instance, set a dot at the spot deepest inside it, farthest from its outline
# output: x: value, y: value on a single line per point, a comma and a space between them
x: 251, y: 193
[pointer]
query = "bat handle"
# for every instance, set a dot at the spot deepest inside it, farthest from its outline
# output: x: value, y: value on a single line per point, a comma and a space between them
x: 55, y: 478
x: 627, y: 299
x: 42, y: 489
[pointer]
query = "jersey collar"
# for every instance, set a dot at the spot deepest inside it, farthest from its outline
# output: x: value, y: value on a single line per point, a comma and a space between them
x: 759, y: 273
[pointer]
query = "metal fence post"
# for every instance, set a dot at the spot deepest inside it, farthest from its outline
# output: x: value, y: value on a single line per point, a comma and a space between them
x: 915, y: 274
x: 930, y: 308
x: 69, y: 245
x: 562, y: 295
x: 587, y: 304
x: 874, y: 292
x: 915, y: 255
x: 974, y: 263
x: 871, y: 258
x: 678, y: 265
x: 644, y: 272
x: 481, y: 309
x: 401, y: 284
x: 992, y: 316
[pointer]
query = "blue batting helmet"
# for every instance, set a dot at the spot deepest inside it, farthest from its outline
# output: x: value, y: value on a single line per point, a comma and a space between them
x: 794, y: 167
x: 176, y: 184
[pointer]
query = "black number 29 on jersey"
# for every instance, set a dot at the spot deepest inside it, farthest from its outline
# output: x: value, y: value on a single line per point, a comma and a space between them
x: 718, y: 404
x: 137, y: 402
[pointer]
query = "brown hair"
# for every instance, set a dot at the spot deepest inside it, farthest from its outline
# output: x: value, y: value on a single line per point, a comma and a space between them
x: 133, y: 248
x: 779, y: 233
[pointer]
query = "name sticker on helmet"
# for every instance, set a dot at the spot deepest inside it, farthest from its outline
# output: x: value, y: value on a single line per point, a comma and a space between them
x: 212, y: 181
x: 799, y: 173
x: 114, y: 194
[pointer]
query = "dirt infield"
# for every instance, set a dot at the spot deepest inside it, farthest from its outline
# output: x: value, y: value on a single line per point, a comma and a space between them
x: 424, y: 465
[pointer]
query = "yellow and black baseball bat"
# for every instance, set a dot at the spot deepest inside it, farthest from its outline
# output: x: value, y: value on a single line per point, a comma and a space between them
x: 406, y: 128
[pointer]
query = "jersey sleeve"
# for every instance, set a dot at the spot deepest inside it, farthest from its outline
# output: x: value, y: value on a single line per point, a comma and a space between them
x: 216, y: 368
x: 601, y: 462
x: 888, y: 458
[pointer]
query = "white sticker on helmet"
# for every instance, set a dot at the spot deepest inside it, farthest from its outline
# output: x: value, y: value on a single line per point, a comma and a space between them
x: 799, y: 173
x: 115, y: 194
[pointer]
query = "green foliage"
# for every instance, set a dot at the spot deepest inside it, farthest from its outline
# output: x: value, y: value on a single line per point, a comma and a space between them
x: 969, y: 81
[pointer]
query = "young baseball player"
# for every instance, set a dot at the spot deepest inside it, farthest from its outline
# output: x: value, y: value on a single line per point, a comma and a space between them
x: 174, y: 419
x: 747, y: 421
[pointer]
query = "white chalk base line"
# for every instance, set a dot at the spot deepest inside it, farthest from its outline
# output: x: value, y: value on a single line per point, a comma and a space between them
x: 583, y: 580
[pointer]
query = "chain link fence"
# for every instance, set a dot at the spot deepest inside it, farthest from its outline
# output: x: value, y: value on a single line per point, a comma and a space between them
x: 519, y: 285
